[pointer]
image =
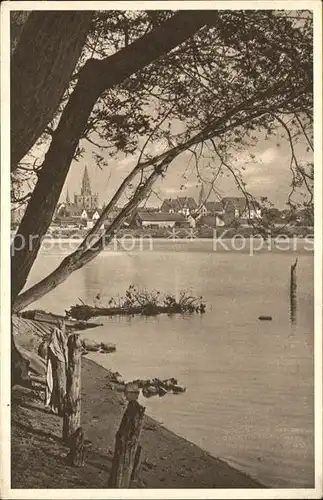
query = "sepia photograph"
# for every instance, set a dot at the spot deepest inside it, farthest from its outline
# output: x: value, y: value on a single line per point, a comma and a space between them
x: 161, y: 250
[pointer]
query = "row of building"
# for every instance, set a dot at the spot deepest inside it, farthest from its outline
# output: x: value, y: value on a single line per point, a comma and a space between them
x: 180, y: 211
x: 83, y: 211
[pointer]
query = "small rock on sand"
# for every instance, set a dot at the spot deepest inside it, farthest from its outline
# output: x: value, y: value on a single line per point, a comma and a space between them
x: 178, y: 388
x: 107, y: 347
x: 149, y: 391
x: 91, y: 345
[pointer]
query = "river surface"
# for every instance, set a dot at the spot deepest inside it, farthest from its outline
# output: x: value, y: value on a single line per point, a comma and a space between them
x: 249, y: 398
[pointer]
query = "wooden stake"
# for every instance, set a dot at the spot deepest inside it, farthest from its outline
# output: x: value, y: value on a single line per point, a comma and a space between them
x: 72, y: 407
x: 136, y: 465
x: 76, y: 454
x: 126, y: 459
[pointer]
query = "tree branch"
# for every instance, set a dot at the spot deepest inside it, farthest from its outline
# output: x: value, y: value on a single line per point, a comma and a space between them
x: 113, y: 202
x: 95, y: 77
x: 82, y: 256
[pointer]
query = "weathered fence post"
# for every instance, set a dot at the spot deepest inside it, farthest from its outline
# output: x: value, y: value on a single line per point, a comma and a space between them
x: 126, y: 454
x: 56, y: 370
x: 76, y: 454
x: 72, y: 407
x: 293, y: 288
x: 136, y: 465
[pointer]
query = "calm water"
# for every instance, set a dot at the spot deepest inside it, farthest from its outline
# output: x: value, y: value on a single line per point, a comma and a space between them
x: 250, y: 383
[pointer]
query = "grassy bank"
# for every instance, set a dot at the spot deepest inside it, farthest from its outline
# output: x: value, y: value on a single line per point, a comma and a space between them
x: 169, y: 461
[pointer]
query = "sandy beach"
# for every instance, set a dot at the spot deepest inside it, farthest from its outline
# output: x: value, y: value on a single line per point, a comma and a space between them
x: 168, y: 461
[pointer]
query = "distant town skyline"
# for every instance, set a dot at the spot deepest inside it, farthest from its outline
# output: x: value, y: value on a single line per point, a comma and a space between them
x: 268, y: 175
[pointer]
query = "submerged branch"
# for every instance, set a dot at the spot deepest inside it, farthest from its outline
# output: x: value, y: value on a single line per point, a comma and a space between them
x: 140, y: 302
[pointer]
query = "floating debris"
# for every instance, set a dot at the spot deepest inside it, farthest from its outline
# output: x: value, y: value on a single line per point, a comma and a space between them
x: 143, y: 302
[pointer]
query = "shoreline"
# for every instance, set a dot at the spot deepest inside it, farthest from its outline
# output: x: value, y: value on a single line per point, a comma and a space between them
x: 155, y: 439
x: 147, y: 237
x: 168, y: 460
x: 162, y: 432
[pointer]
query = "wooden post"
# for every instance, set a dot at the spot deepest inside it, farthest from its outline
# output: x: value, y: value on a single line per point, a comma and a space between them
x: 76, y: 454
x: 293, y: 288
x: 72, y: 407
x: 56, y: 370
x: 127, y: 441
x: 136, y: 465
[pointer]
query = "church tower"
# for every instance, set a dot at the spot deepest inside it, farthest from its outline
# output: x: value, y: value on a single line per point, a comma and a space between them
x: 86, y: 185
x: 67, y: 198
x: 86, y: 199
x: 201, y: 196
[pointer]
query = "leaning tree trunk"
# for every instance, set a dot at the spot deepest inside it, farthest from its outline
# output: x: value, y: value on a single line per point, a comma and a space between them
x: 18, y: 19
x: 51, y: 178
x: 95, y: 77
x: 42, y: 64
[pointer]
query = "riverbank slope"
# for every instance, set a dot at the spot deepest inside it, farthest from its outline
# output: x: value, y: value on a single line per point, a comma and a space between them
x: 168, y: 461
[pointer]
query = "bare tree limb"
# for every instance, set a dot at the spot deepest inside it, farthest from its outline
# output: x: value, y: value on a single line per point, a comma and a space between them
x: 95, y: 77
x: 82, y: 256
x: 304, y: 131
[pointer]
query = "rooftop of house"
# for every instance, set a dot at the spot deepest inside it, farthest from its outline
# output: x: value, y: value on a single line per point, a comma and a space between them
x: 214, y: 206
x: 238, y: 203
x: 73, y: 210
x: 91, y: 212
x: 69, y: 211
x: 187, y: 201
x: 178, y: 203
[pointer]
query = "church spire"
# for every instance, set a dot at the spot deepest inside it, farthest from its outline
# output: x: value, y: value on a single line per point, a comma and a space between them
x: 67, y: 197
x: 201, y: 196
x: 86, y: 185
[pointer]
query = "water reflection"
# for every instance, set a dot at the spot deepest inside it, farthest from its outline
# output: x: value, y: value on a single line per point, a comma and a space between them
x: 293, y: 289
x: 293, y: 309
